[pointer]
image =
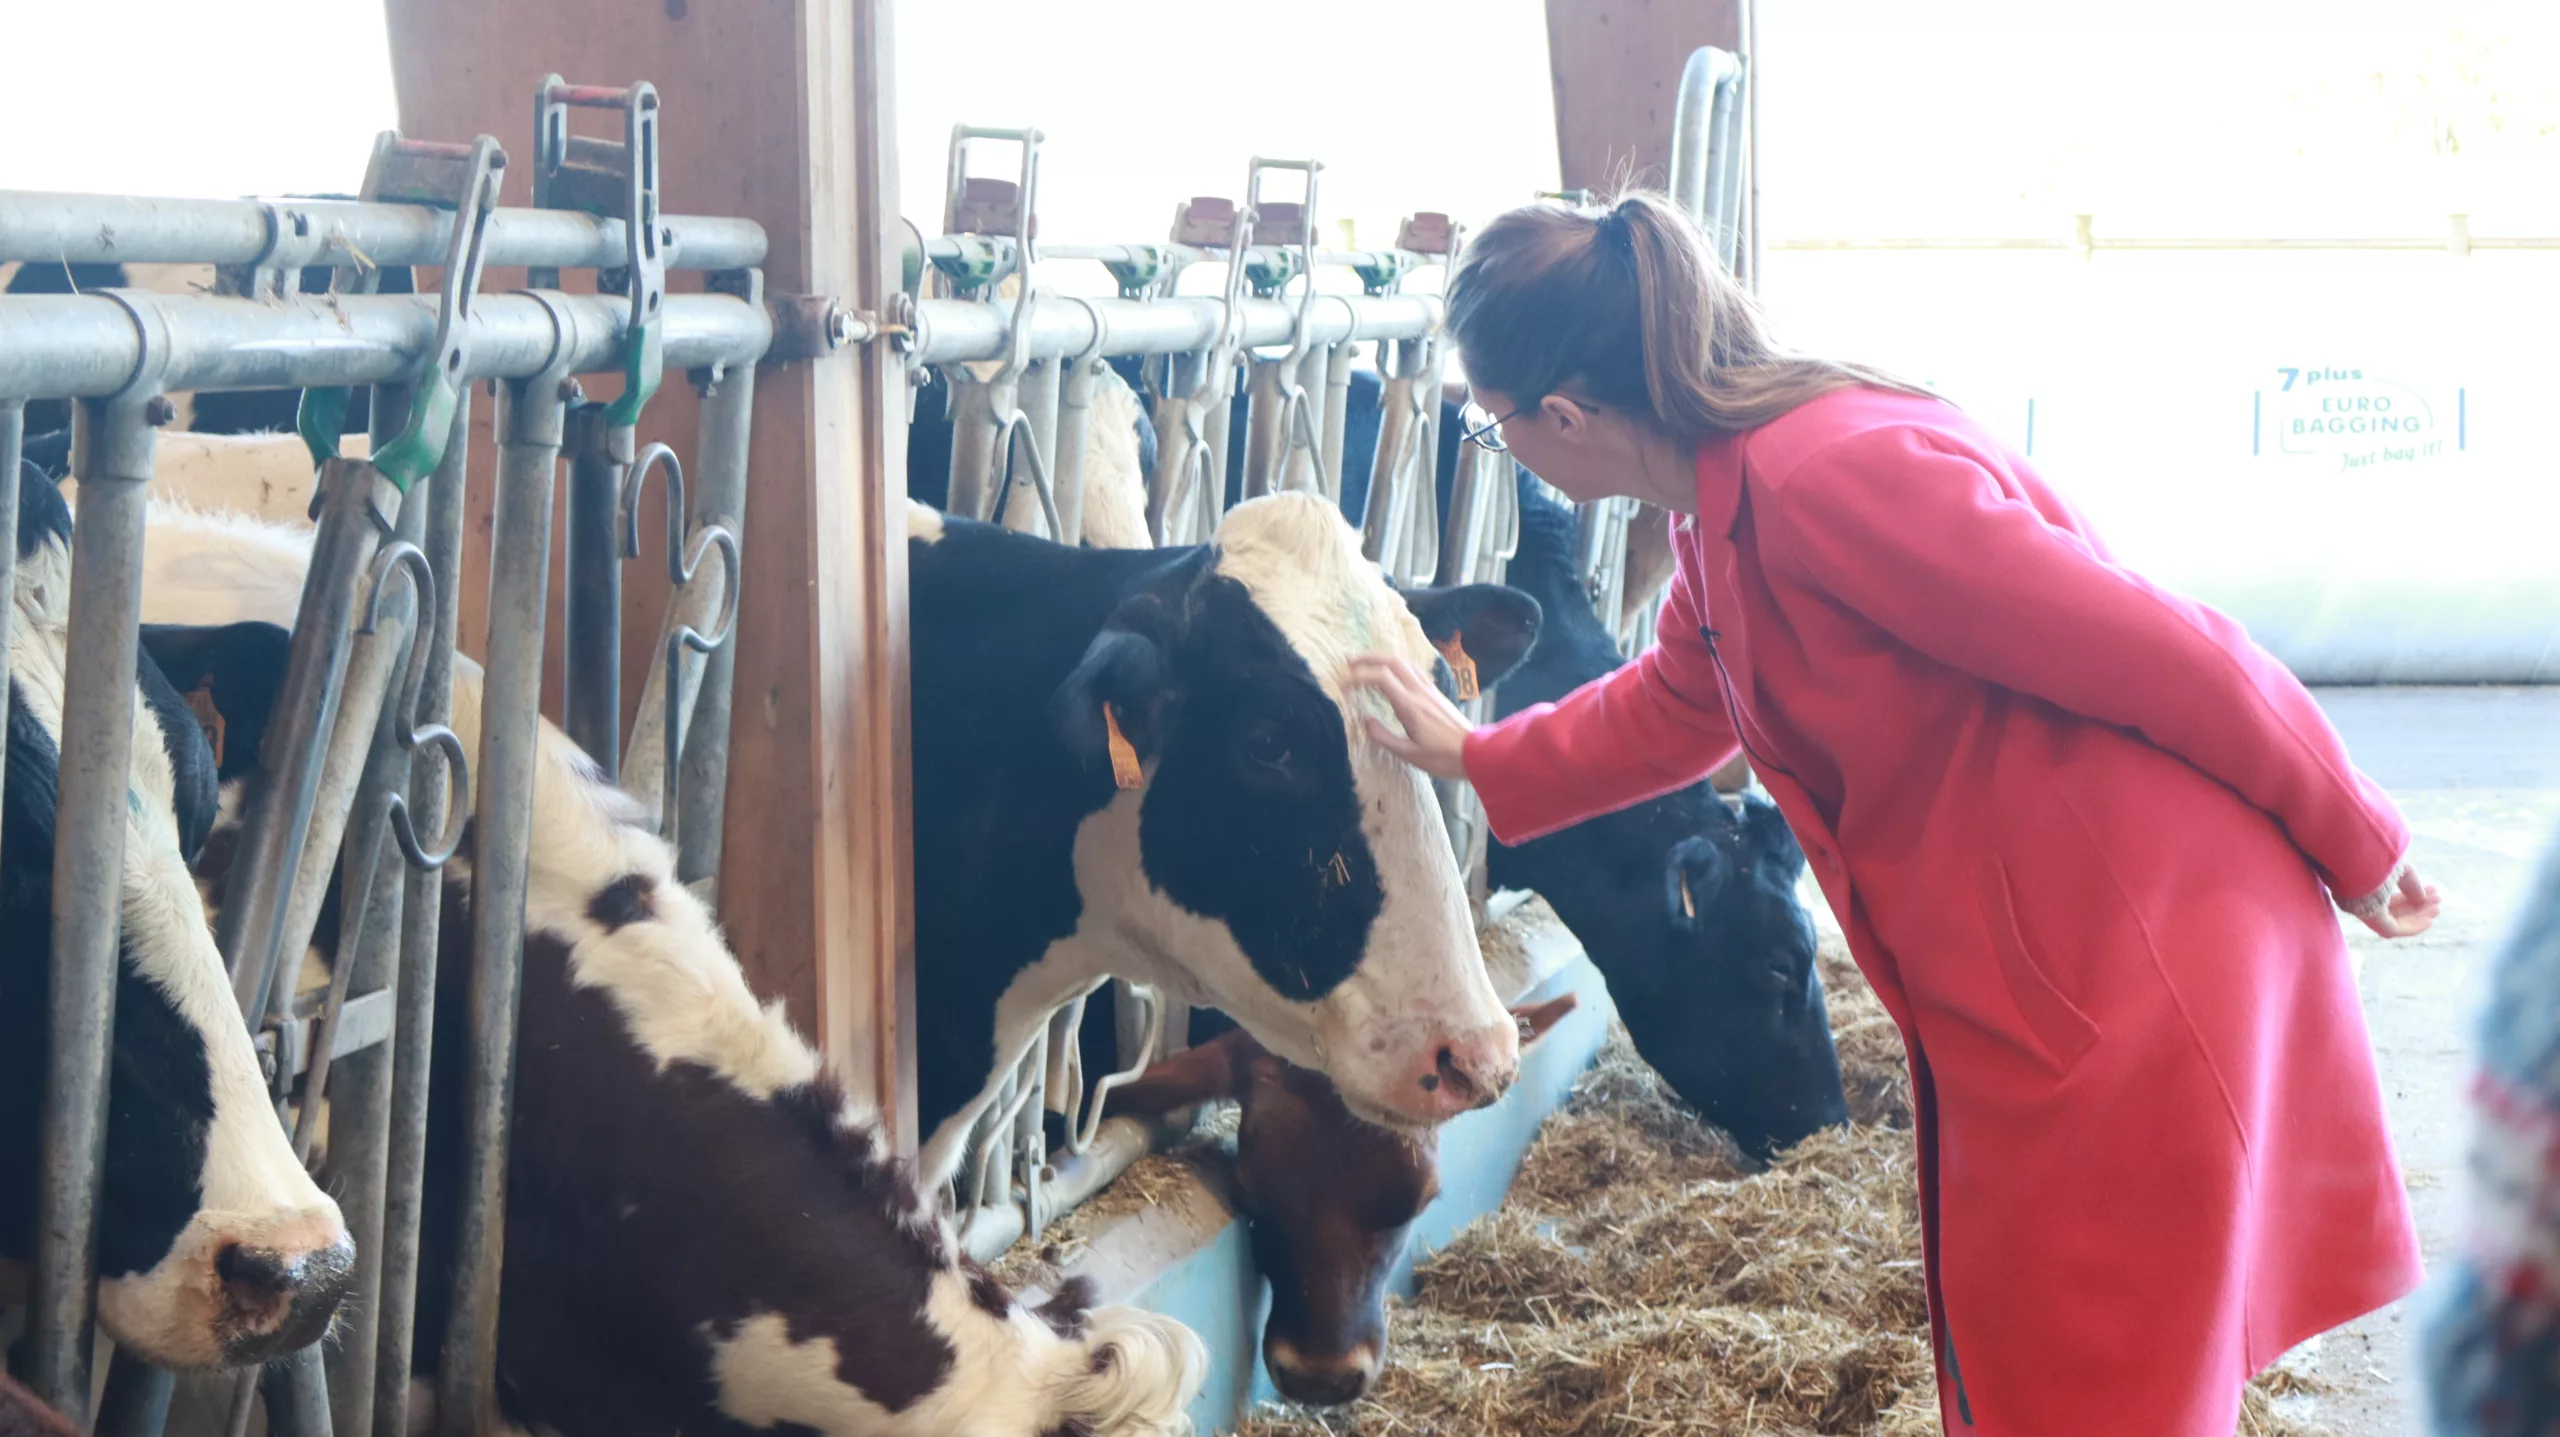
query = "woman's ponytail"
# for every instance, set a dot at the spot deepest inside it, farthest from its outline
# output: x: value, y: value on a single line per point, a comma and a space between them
x: 1632, y: 307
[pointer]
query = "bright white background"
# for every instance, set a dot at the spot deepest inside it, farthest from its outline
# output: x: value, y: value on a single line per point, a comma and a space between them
x: 1878, y: 117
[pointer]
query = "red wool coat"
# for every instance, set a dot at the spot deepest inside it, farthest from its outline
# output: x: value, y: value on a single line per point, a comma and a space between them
x: 2077, y: 830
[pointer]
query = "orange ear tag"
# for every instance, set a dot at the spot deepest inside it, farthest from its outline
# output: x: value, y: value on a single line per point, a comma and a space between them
x: 209, y: 718
x: 1464, y: 668
x: 1688, y: 905
x: 1124, y: 755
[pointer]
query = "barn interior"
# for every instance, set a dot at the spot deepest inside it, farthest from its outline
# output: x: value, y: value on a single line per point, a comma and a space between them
x: 1050, y: 267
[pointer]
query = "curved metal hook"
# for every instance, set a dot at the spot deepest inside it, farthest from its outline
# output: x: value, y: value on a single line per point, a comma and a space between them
x: 457, y: 813
x: 1084, y: 1127
x: 636, y: 481
x: 681, y: 567
x: 422, y: 582
x: 1297, y: 416
x: 1017, y: 429
x: 405, y: 555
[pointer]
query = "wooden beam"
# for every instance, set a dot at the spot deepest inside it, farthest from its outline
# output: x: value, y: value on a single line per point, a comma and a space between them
x: 779, y: 111
x: 1617, y: 76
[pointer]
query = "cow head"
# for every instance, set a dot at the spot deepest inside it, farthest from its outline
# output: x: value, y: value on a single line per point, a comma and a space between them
x: 214, y: 1246
x: 1286, y: 869
x: 1710, y: 956
x: 1327, y: 1198
x: 1688, y: 911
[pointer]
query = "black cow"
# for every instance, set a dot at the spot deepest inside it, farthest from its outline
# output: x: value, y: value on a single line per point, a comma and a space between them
x: 214, y: 1246
x: 1690, y: 912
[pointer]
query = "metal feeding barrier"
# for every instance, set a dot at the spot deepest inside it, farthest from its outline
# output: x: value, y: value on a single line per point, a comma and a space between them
x: 1710, y: 153
x: 362, y: 762
x: 360, y: 751
x: 1022, y: 364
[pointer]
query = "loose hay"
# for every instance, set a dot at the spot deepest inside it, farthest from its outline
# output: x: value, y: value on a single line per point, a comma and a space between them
x: 1642, y: 1278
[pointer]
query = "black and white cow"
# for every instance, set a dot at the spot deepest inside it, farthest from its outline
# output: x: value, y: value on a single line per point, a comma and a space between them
x: 1269, y: 860
x: 1690, y: 912
x: 703, y: 1235
x: 214, y: 1246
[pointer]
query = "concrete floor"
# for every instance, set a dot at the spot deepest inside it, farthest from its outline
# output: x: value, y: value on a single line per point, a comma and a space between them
x: 2477, y: 772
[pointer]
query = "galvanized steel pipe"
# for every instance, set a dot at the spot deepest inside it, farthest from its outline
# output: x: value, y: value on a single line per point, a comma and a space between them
x: 374, y: 879
x: 113, y: 462
x: 91, y: 345
x: 1073, y: 433
x: 258, y: 906
x: 591, y: 609
x: 952, y: 331
x: 133, y: 229
x: 421, y: 915
x: 510, y: 732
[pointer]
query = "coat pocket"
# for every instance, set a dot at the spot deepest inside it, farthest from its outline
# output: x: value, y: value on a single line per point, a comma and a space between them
x: 2056, y: 1027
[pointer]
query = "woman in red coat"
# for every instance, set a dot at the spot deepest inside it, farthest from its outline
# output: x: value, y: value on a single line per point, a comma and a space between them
x: 2082, y: 834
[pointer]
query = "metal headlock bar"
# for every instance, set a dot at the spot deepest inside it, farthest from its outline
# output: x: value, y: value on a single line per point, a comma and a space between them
x: 374, y: 638
x: 373, y: 643
x: 1021, y: 368
x: 292, y: 234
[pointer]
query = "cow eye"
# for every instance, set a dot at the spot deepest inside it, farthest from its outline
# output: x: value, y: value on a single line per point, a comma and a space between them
x: 1265, y: 745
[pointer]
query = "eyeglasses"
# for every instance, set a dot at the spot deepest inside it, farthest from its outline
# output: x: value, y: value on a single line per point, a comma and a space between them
x: 1478, y: 427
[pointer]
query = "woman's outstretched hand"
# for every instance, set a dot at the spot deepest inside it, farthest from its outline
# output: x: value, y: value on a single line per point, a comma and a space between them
x: 1435, y: 733
x: 2412, y: 910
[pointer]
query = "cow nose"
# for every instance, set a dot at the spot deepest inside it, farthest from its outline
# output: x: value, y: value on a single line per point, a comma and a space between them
x: 278, y: 1299
x: 254, y: 1276
x: 1320, y: 1381
x: 1469, y: 1073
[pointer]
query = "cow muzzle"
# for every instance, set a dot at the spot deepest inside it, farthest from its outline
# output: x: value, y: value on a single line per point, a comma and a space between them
x: 234, y: 1293
x: 1460, y: 1075
x: 1321, y: 1379
x: 279, y: 1299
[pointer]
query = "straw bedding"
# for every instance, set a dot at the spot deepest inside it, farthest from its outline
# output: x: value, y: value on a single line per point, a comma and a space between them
x: 1642, y: 1279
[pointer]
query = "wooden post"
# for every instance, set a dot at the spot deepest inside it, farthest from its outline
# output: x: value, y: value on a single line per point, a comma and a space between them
x: 780, y: 111
x: 1617, y: 76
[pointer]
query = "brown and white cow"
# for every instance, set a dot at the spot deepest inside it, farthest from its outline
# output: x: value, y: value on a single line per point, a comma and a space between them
x: 702, y: 1233
x: 1329, y: 1199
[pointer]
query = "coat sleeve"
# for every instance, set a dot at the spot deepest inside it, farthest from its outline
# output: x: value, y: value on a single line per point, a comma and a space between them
x: 1922, y: 539
x: 1645, y: 729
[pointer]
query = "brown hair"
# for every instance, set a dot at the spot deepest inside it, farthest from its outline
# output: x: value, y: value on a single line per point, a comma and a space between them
x: 1629, y: 306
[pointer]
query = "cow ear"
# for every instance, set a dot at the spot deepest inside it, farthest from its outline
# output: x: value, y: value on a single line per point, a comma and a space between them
x: 1694, y: 875
x: 1498, y: 625
x: 1537, y: 1018
x: 1766, y: 835
x: 1126, y: 671
x: 1220, y: 1068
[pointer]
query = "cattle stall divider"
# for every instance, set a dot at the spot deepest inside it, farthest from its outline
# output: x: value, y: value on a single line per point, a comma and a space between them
x: 373, y: 643
x: 1018, y: 361
x: 1021, y: 364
